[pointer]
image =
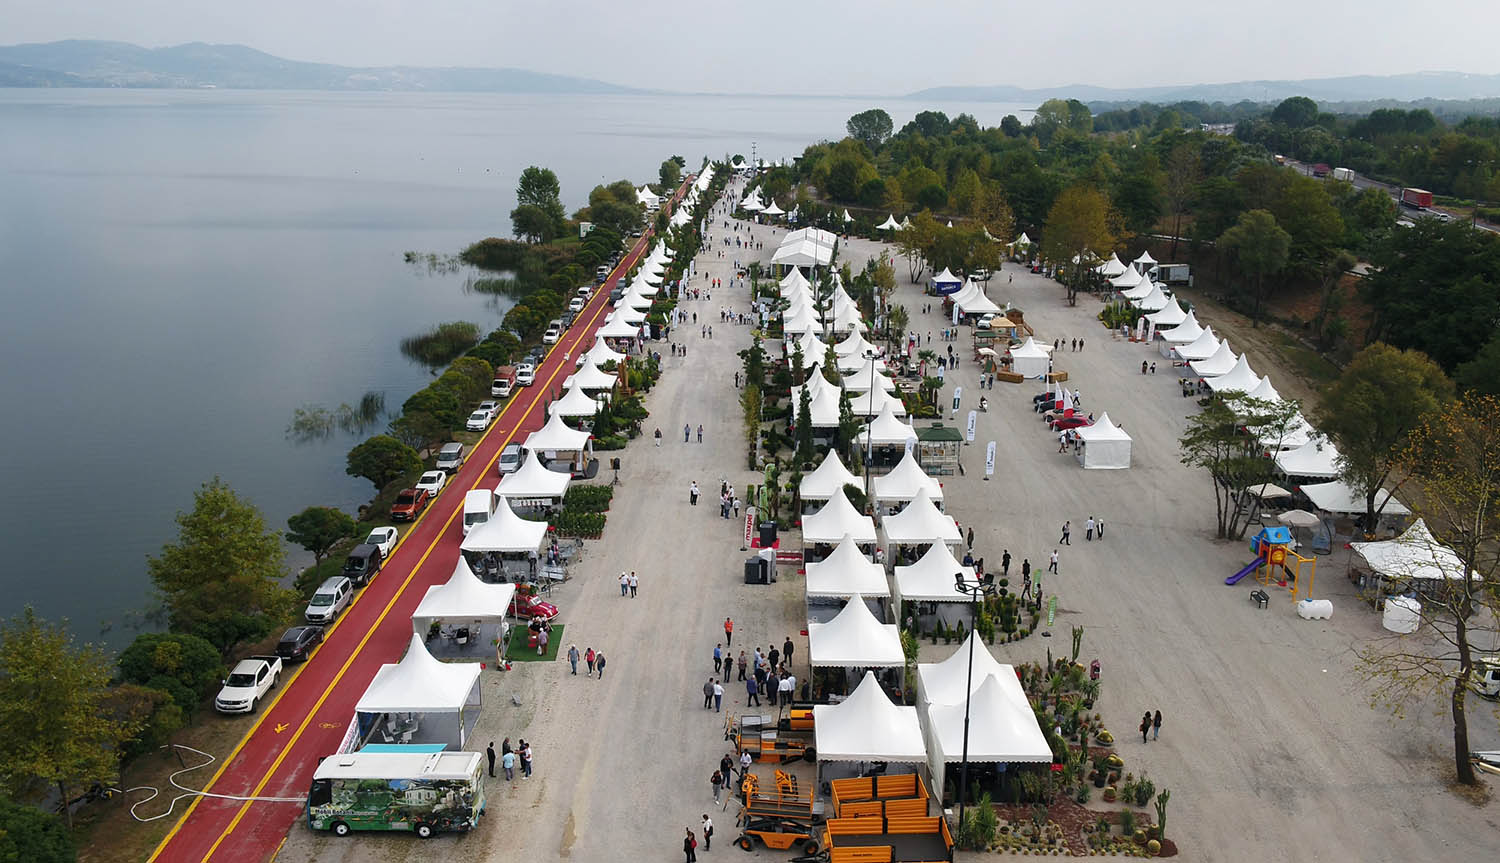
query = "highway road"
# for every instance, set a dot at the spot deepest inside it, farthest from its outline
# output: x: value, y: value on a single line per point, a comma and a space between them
x: 308, y: 718
x: 1362, y: 182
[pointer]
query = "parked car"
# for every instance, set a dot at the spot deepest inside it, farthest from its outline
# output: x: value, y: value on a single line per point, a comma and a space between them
x: 576, y: 304
x: 479, y: 420
x: 332, y: 597
x: 409, y: 504
x: 985, y: 322
x: 510, y: 459
x: 363, y: 563
x: 1072, y: 422
x: 247, y: 683
x: 432, y: 481
x: 297, y: 643
x: 383, y: 538
x: 525, y: 374
x: 526, y: 606
x: 553, y: 333
x: 450, y: 458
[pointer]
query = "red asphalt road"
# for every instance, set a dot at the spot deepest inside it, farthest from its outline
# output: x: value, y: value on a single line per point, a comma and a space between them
x: 309, y: 717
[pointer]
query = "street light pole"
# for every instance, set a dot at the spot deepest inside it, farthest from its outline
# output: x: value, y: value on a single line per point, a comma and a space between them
x: 973, y: 591
x: 869, y: 418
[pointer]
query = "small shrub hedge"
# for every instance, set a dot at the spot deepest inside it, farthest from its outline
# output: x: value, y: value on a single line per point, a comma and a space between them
x: 589, y: 525
x: 588, y: 498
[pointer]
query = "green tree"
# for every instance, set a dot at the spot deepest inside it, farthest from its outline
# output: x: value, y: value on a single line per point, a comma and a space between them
x: 1077, y: 225
x: 188, y: 660
x: 1381, y: 397
x: 1260, y: 247
x: 29, y: 835
x: 1482, y: 374
x: 1184, y: 172
x: 805, y: 451
x: 477, y: 375
x: 221, y: 578
x: 670, y: 174
x: 538, y: 187
x: 1227, y: 440
x: 437, y: 402
x: 1296, y: 112
x: 382, y: 460
x: 419, y: 430
x: 870, y: 128
x: 1307, y: 214
x: 1333, y: 271
x: 319, y: 528
x: 915, y: 240
x: 533, y: 224
x: 54, y: 728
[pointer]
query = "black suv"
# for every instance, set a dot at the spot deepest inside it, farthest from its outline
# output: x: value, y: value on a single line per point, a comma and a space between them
x: 362, y: 563
x: 296, y: 644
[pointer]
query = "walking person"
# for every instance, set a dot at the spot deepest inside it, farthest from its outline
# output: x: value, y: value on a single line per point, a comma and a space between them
x: 969, y: 540
x: 700, y: 433
x: 1052, y: 562
x: 1145, y: 725
x: 718, y: 657
x: 786, y: 651
x: 708, y: 831
x: 718, y: 697
x: 541, y: 642
x: 489, y: 752
x: 1100, y: 527
x: 693, y: 491
x: 588, y: 659
x: 635, y: 584
x: 658, y: 435
x: 742, y: 664
x: 1156, y: 726
x: 690, y: 846
x: 572, y: 661
x: 1088, y: 530
x: 717, y: 781
x: 752, y: 691
x: 1005, y: 564
x: 624, y: 583
x: 1066, y: 533
x: 1026, y: 568
x: 728, y: 631
x: 708, y: 694
x: 599, y: 664
x: 687, y: 432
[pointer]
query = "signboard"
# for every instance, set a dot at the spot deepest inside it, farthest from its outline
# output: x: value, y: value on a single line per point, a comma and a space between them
x: 973, y: 421
x: 958, y: 393
x: 1051, y: 608
x: 989, y: 459
x: 749, y: 525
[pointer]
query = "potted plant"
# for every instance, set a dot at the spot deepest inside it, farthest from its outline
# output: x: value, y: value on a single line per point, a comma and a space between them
x: 1109, y: 794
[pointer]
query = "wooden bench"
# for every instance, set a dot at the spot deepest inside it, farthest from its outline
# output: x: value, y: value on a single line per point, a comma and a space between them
x: 1260, y: 597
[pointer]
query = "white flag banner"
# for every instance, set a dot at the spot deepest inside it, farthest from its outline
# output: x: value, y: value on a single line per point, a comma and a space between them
x: 973, y: 420
x: 989, y: 459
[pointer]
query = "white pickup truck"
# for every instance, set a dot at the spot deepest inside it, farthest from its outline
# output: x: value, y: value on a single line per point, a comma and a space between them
x: 248, y: 682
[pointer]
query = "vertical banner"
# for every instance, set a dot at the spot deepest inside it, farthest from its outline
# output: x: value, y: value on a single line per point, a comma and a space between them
x: 973, y: 420
x: 1051, y: 608
x: 749, y: 526
x: 958, y: 393
x: 989, y: 459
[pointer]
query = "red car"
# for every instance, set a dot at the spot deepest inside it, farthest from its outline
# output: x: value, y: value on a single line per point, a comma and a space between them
x: 409, y: 504
x: 1071, y: 422
x: 526, y: 605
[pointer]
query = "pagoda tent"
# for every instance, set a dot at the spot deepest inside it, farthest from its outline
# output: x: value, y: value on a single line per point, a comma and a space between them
x: 886, y: 430
x: 1144, y: 262
x: 533, y: 480
x: 816, y: 385
x: 847, y: 320
x: 1111, y: 268
x: 854, y: 639
x: 847, y: 218
x: 874, y: 403
x: 1338, y: 497
x: 836, y: 520
x: 802, y: 323
x: 866, y: 726
x: 828, y: 479
x: 972, y: 301
x: 932, y: 579
x: 1154, y: 301
x: 905, y: 223
x: 1200, y: 348
x: 1170, y: 316
x: 1031, y: 359
x: 754, y: 206
x: 825, y: 410
x: 773, y: 210
x: 805, y: 247
x: 574, y: 403
x: 1241, y: 378
x: 840, y: 299
x: 1220, y: 363
x: 601, y: 353
x: 950, y: 223
x: 617, y: 328
x: 890, y: 224
x: 1126, y: 280
x: 683, y: 215
x: 1264, y: 391
x: 851, y: 364
x: 463, y: 598
x: 864, y: 379
x: 1415, y: 554
x: 421, y: 700
x: 856, y: 345
x: 506, y: 533
x: 557, y: 436
x: 1022, y: 240
x: 905, y: 482
x: 634, y: 317
x: 1316, y: 459
x: 995, y: 726
x: 1105, y: 446
x: 846, y: 573
x: 814, y: 349
x: 1184, y: 333
x: 635, y: 300
x: 920, y: 523
x: 945, y: 282
x: 644, y: 195
x: 1140, y: 291
x: 792, y: 281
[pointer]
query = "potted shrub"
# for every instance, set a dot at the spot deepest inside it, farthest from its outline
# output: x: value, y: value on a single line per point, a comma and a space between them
x: 1109, y: 794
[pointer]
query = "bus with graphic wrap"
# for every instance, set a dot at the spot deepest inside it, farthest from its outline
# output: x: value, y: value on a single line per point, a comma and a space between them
x: 424, y: 792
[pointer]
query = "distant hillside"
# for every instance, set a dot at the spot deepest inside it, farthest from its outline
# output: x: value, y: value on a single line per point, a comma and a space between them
x: 1356, y: 88
x: 83, y: 63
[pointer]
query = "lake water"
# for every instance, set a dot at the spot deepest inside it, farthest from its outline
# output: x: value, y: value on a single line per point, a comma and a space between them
x: 181, y: 270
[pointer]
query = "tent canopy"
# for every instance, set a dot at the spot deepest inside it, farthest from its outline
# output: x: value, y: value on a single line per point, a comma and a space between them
x: 557, y: 436
x: 420, y: 684
x: 1106, y: 446
x: 1221, y: 363
x: 943, y: 682
x: 506, y: 532
x: 864, y: 379
x: 1126, y: 280
x: 835, y: 521
x: 463, y: 597
x: 866, y: 726
x: 946, y: 277
x: 1241, y: 378
x: 846, y: 573
x: 591, y: 377
x: 931, y: 578
x: 877, y: 403
x: 1338, y: 497
x: 855, y: 345
x: 1201, y: 348
x: 1315, y: 458
x: 1145, y: 259
x: 533, y: 479
x: 904, y: 482
x: 1002, y: 726
x: 574, y: 403
x: 885, y: 429
x: 854, y: 639
x: 1416, y: 553
x: 1154, y: 301
x: 972, y: 301
x: 1184, y: 333
x: 828, y: 479
x: 920, y: 522
x: 890, y: 224
x: 1170, y: 316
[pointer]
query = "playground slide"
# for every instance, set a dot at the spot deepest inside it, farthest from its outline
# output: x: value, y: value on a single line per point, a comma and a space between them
x: 1249, y: 568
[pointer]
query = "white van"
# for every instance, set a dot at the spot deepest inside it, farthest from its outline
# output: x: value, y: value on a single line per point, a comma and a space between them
x: 479, y: 505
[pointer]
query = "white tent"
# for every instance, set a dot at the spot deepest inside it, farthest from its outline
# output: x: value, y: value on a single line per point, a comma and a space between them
x: 816, y: 386
x: 616, y: 328
x: 1338, y: 497
x: 632, y: 316
x: 1031, y: 359
x: 848, y: 365
x: 931, y: 578
x: 463, y: 597
x: 920, y: 522
x: 846, y: 320
x: 946, y: 279
x: 847, y: 217
x: 855, y: 345
x: 421, y: 684
x: 773, y: 210
x: 1241, y: 378
x: 805, y: 247
x: 1105, y: 445
x: 506, y: 533
x: 866, y: 726
x: 854, y: 638
x: 835, y: 521
x: 1145, y: 260
x: 825, y: 408
x: 886, y: 430
x: 1022, y: 240
x: 1126, y: 280
x: 574, y: 403
x: 863, y: 379
x: 950, y: 681
x: 635, y: 300
x: 644, y: 195
x: 557, y: 436
x: 591, y: 377
x: 846, y: 573
x: 828, y: 479
x: 1184, y: 333
x: 1316, y: 458
x: 1154, y: 301
x: 533, y: 480
x: 875, y: 402
x: 1200, y: 348
x: 1264, y: 391
x: 1112, y: 267
x: 1001, y: 728
x: 1141, y: 291
x: 904, y: 482
x: 801, y: 323
x: 600, y: 354
x: 813, y: 348
x: 972, y: 301
x: 1170, y: 316
x: 792, y: 281
x: 1415, y: 554
x: 890, y: 224
x: 1220, y: 363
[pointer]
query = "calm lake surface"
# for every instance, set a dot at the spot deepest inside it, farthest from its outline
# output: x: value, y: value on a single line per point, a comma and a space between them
x: 181, y: 270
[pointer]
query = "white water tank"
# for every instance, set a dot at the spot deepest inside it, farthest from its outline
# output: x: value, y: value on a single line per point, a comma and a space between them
x: 1315, y: 609
x: 1402, y: 614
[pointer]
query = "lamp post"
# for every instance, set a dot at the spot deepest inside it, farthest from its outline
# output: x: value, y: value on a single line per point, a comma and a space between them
x: 973, y: 591
x: 869, y: 418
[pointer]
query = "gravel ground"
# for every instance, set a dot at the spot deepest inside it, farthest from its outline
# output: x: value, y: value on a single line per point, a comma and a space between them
x: 1269, y: 745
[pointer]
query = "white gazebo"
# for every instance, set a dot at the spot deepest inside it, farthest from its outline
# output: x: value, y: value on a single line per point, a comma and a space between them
x: 874, y: 403
x: 1144, y: 262
x: 920, y: 523
x: 1105, y: 446
x: 864, y: 378
x: 463, y: 598
x: 886, y: 430
x: 591, y: 377
x: 1031, y: 359
x: 1154, y: 301
x: 600, y: 354
x: 1170, y: 316
x: 846, y: 573
x: 794, y: 281
x: 945, y: 282
x: 1111, y: 268
x: 421, y: 700
x: 558, y: 437
x: 932, y: 579
x: 866, y: 726
x: 618, y: 328
x: 970, y: 300
x: 905, y: 481
x: 855, y: 345
x: 1126, y: 280
x: 506, y: 533
x: 1414, y: 555
x: 533, y: 480
x: 1182, y: 334
x: 828, y: 479
x: 835, y: 521
x: 855, y: 639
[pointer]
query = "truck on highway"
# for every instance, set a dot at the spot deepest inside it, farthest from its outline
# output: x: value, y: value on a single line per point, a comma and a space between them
x: 1321, y: 169
x: 1344, y: 174
x: 1416, y: 199
x: 247, y: 683
x: 423, y: 792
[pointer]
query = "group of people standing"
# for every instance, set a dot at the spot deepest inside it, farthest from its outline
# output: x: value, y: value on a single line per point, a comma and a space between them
x: 508, y: 758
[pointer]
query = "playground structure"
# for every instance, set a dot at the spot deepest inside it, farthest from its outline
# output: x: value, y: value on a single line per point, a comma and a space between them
x: 1276, y: 561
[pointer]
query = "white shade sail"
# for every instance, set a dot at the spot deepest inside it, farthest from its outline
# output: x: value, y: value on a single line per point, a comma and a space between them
x: 846, y: 573
x: 905, y: 482
x: 920, y: 522
x: 866, y: 726
x: 420, y: 684
x: 828, y: 479
x: 886, y: 430
x: 506, y: 533
x: 835, y: 521
x: 854, y: 639
x: 533, y: 479
x: 1416, y: 553
x: 931, y: 578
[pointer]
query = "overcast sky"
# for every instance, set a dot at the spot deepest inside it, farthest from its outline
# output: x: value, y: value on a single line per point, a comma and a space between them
x: 822, y: 46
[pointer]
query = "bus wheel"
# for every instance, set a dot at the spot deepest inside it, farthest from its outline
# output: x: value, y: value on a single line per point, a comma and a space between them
x: 424, y: 831
x: 340, y: 828
x: 810, y: 847
x: 746, y: 843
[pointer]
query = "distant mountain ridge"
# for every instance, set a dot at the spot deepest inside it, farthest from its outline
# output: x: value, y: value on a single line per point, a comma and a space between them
x: 1353, y: 88
x: 88, y: 63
